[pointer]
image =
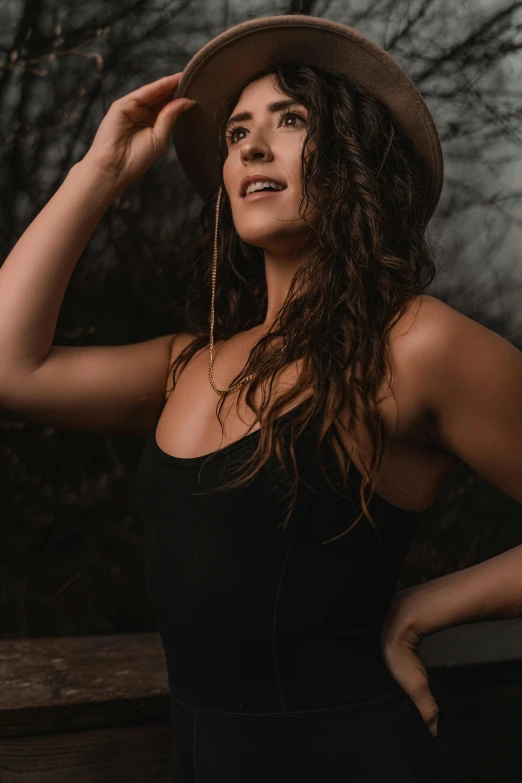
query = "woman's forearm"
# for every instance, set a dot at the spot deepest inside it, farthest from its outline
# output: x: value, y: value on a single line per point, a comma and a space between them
x: 35, y: 275
x: 491, y: 590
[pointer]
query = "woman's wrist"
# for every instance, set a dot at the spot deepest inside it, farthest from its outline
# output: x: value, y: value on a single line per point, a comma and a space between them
x: 491, y: 590
x: 103, y: 185
x: 425, y: 608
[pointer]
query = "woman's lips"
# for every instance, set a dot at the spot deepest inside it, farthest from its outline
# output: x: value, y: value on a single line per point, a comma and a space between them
x: 260, y: 194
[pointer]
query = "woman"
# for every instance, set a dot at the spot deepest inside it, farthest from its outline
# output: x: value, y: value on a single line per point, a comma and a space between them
x: 289, y: 656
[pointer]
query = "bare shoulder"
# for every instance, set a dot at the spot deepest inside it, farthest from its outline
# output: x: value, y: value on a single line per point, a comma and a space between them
x: 424, y: 315
x: 431, y: 330
x: 178, y: 343
x: 469, y: 381
x: 454, y: 362
x: 435, y: 335
x: 418, y: 345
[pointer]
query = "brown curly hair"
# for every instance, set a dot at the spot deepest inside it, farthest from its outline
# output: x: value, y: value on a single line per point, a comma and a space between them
x: 371, y: 259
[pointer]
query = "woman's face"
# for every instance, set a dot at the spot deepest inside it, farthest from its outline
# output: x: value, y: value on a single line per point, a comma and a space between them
x: 267, y: 142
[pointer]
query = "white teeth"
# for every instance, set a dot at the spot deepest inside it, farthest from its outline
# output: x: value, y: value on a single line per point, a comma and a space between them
x: 260, y: 185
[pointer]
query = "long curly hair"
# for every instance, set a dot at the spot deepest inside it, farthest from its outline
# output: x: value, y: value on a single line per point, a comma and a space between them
x: 371, y: 258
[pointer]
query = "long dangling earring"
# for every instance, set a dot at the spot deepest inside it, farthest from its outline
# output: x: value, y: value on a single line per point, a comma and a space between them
x: 214, y: 270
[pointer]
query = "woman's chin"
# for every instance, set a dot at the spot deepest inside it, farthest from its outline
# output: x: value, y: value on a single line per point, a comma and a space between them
x: 259, y: 237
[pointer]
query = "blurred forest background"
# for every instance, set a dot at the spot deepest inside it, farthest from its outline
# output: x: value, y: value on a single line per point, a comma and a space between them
x: 70, y: 536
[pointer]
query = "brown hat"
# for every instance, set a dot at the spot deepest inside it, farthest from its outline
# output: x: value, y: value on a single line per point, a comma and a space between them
x: 224, y: 64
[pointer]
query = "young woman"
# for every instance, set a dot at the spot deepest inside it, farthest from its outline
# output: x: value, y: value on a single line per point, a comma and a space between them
x: 289, y: 655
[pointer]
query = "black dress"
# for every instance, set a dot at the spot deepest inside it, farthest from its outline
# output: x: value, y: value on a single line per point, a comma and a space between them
x: 271, y: 636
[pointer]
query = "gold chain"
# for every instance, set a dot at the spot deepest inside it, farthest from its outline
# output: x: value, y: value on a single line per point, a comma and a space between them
x: 214, y: 270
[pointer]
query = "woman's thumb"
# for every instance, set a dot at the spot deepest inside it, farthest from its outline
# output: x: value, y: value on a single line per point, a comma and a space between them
x: 429, y: 709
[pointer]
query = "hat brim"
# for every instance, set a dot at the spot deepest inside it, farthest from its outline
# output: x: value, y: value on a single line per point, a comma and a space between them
x: 223, y: 65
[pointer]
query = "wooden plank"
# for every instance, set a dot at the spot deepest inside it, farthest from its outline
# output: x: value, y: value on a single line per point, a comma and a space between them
x: 134, y: 755
x: 79, y: 716
x: 63, y: 671
x: 61, y: 684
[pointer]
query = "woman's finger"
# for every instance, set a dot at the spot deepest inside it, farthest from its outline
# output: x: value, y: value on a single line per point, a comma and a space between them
x: 408, y: 670
x: 166, y: 119
x: 135, y: 131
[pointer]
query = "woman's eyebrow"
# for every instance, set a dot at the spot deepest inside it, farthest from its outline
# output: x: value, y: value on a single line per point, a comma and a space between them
x: 272, y: 107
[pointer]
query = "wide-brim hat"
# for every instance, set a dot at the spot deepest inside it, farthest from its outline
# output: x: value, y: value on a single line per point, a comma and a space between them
x: 224, y: 64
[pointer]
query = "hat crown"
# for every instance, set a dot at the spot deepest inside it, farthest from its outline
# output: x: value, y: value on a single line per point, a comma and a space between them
x: 231, y: 59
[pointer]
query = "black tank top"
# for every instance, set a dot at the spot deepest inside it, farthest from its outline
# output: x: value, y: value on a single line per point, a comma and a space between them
x: 254, y: 618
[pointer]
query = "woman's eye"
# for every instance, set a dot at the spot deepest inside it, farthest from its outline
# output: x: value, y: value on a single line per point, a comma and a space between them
x: 292, y: 114
x: 231, y: 134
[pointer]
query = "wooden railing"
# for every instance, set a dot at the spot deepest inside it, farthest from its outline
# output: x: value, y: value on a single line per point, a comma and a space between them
x: 91, y: 709
x: 96, y: 710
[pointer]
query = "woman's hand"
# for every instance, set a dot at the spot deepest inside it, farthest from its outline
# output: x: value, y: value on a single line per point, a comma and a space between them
x: 135, y: 131
x: 400, y: 641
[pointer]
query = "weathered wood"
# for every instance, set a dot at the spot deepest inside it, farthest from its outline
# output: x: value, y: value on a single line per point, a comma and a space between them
x: 53, y: 685
x: 79, y: 669
x: 136, y: 754
x: 91, y: 709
